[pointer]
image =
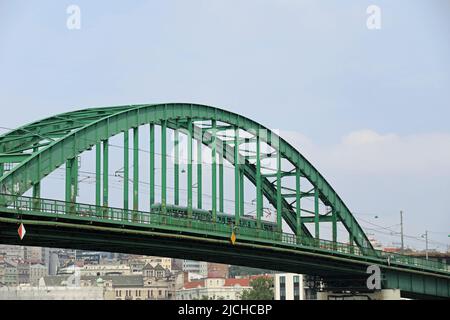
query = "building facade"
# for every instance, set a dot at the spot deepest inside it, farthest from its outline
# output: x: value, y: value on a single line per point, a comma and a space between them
x: 198, y: 267
x: 213, y: 289
x: 37, y: 271
x: 289, y: 286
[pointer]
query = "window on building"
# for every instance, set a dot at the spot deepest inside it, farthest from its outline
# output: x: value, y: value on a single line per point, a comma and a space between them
x: 296, y: 288
x: 282, y: 288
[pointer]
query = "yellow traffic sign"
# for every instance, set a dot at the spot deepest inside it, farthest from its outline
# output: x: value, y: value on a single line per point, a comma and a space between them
x: 233, y: 238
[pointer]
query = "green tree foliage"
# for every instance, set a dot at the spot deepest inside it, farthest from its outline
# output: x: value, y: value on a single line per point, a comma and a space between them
x: 235, y: 271
x: 262, y: 289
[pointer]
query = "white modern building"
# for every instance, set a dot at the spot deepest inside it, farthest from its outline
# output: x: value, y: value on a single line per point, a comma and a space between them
x: 289, y: 286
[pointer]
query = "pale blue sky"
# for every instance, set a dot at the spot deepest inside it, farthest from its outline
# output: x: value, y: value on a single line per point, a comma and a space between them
x: 369, y: 108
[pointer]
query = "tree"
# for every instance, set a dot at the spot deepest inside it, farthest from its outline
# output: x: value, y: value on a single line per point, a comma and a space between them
x: 235, y: 271
x: 262, y: 289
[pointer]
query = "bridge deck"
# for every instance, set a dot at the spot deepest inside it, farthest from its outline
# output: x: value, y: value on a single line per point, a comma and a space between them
x: 119, y: 218
x: 82, y: 226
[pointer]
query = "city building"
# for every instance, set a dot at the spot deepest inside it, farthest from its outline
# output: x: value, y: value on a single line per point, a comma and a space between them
x: 23, y: 270
x: 218, y: 270
x: 34, y: 255
x: 177, y: 264
x: 155, y: 271
x: 213, y: 289
x: 97, y: 270
x: 166, y: 263
x: 136, y: 265
x: 117, y: 287
x: 291, y: 286
x: 198, y: 267
x: 13, y: 252
x: 10, y: 274
x: 52, y: 293
x: 53, y: 265
x: 37, y: 271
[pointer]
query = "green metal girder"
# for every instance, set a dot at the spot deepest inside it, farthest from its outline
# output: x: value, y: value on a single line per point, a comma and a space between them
x: 105, y: 182
x: 135, y: 169
x: 237, y: 177
x: 164, y: 165
x: 176, y: 169
x: 126, y: 168
x: 14, y: 157
x: 98, y: 174
x: 189, y: 166
x: 199, y: 174
x: 259, y: 194
x: 214, y: 170
x: 221, y: 191
x: 152, y: 163
x: 111, y: 121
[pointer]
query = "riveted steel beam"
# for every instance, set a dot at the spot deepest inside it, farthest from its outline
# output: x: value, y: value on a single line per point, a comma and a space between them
x: 152, y: 163
x: 213, y: 170
x: 126, y: 169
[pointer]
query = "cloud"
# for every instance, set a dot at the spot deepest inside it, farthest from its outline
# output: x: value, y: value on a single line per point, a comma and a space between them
x: 372, y: 153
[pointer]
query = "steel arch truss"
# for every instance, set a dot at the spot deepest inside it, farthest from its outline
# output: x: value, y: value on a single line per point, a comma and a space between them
x: 30, y: 153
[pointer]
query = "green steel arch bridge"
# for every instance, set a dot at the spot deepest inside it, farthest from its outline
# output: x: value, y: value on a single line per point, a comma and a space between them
x: 284, y: 232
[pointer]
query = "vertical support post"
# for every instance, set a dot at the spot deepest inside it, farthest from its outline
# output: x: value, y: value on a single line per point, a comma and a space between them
x: 350, y: 240
x: 221, y: 192
x: 176, y: 172
x: 189, y: 168
x: 75, y: 178
x: 259, y: 196
x: 279, y: 203
x: 105, y: 177
x: 36, y: 190
x: 69, y: 180
x: 298, y: 207
x: 163, y: 165
x: 152, y: 164
x: 199, y: 173
x: 241, y: 191
x: 213, y: 171
x: 236, y: 176
x: 2, y: 169
x: 36, y: 186
x: 126, y: 169
x: 71, y: 183
x: 334, y: 226
x: 135, y: 172
x: 316, y: 213
x: 98, y: 175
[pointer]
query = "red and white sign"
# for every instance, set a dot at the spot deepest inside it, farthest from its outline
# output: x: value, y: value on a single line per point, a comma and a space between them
x: 21, y: 231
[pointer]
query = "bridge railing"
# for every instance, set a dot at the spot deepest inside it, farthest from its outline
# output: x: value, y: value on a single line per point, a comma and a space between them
x: 101, y: 214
